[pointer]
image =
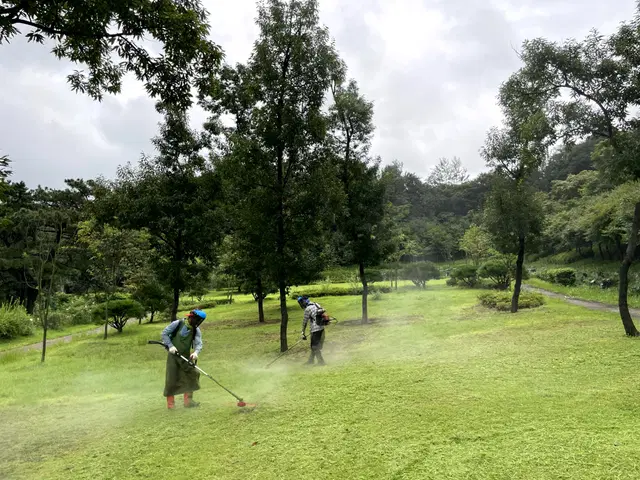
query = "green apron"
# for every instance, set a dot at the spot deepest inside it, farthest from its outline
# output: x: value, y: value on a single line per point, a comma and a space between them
x: 180, y: 376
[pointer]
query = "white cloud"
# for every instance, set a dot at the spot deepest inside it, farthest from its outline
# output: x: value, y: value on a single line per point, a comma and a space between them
x: 431, y: 67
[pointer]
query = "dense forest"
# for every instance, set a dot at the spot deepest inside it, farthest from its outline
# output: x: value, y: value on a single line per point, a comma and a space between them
x: 291, y: 189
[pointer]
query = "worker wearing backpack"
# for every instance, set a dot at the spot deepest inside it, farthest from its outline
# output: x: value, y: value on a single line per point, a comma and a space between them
x: 315, y: 316
x: 180, y: 336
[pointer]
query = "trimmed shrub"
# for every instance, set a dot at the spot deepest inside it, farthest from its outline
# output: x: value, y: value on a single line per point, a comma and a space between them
x: 502, y: 300
x: 335, y: 291
x: 452, y: 282
x: 210, y: 303
x: 499, y: 270
x: 561, y: 276
x: 119, y: 311
x: 466, y: 275
x: 420, y: 273
x: 14, y: 321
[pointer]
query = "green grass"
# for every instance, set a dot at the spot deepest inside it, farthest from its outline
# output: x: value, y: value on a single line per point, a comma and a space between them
x: 436, y: 388
x: 585, y: 292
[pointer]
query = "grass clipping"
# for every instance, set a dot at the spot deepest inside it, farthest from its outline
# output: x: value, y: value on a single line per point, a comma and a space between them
x: 502, y: 300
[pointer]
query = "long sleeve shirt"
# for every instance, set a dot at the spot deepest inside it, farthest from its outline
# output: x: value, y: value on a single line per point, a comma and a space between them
x: 184, y: 331
x: 310, y: 318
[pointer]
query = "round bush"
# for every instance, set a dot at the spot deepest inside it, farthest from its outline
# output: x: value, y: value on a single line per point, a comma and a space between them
x: 466, y: 275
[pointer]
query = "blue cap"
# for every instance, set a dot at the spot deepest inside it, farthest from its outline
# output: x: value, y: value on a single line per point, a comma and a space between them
x: 199, y: 313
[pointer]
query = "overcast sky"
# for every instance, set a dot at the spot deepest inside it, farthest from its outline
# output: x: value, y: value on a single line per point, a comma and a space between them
x: 431, y: 67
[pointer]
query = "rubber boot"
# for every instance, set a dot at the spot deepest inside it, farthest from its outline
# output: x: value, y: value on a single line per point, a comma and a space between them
x: 171, y: 402
x: 311, y: 357
x: 188, y: 401
x: 320, y: 359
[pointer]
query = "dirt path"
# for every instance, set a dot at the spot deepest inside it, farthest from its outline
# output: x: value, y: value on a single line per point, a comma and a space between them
x: 53, y: 341
x: 602, y: 307
x: 65, y: 339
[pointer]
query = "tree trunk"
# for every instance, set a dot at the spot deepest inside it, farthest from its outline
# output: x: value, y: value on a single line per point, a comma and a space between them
x: 396, y: 271
x: 153, y: 312
x: 600, y: 250
x: 282, y: 283
x: 174, y: 305
x: 178, y: 278
x: 106, y: 319
x: 261, y: 309
x: 45, y: 325
x: 621, y: 250
x: 31, y: 298
x: 365, y: 294
x: 260, y: 298
x: 518, y: 284
x: 623, y: 306
x: 284, y: 316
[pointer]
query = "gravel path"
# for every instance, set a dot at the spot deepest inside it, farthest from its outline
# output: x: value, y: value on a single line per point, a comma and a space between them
x: 602, y: 307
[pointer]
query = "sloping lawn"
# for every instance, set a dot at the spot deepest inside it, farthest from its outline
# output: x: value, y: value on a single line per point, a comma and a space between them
x: 435, y: 388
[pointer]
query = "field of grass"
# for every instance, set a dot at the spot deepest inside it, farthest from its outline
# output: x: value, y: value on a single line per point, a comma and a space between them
x: 435, y: 387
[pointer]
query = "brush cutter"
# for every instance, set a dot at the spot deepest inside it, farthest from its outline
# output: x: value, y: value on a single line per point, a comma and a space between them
x: 332, y: 320
x: 283, y: 353
x: 240, y: 403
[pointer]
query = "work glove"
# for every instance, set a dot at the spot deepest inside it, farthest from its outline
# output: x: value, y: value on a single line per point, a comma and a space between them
x: 303, y: 336
x: 193, y: 357
x: 173, y: 350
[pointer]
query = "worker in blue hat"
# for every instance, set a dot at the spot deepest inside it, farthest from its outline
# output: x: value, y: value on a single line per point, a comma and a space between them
x: 180, y: 336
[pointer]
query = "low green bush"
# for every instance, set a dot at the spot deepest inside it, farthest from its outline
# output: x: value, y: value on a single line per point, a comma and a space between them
x: 465, y: 275
x: 420, y: 273
x: 56, y: 320
x: 335, y: 291
x: 500, y: 270
x: 71, y: 310
x: 502, y: 300
x: 561, y: 276
x: 205, y: 304
x: 339, y: 274
x: 565, y: 257
x: 14, y: 321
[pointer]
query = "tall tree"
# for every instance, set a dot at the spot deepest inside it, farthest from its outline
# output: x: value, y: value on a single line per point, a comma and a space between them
x: 4, y: 174
x: 115, y: 255
x: 278, y: 150
x: 243, y: 258
x: 174, y: 197
x: 107, y: 37
x: 361, y: 222
x: 448, y: 171
x: 515, y: 152
x: 476, y: 244
x: 599, y: 74
x: 49, y: 230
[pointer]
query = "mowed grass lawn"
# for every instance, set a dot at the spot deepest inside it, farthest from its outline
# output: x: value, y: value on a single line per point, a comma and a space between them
x: 435, y: 388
